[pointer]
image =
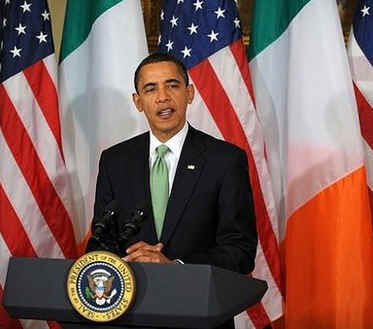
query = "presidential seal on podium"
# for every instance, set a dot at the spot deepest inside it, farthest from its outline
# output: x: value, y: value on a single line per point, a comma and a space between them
x: 101, y: 286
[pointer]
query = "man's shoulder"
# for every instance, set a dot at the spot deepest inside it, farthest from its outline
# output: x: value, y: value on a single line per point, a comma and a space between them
x: 213, y: 144
x: 127, y: 146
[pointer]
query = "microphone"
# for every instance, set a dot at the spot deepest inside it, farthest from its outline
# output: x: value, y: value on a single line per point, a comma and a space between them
x: 131, y: 226
x: 106, y: 221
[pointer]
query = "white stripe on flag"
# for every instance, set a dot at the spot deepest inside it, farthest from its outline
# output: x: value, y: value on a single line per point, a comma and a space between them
x: 368, y: 160
x: 231, y: 80
x: 362, y: 75
x: 272, y: 300
x: 200, y: 117
x: 51, y: 65
x: 25, y: 206
x: 4, y: 259
x: 243, y: 321
x: 39, y: 131
x: 34, y: 324
x: 361, y: 69
x: 235, y: 87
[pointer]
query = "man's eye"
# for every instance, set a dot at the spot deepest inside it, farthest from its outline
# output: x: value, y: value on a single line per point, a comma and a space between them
x: 173, y: 86
x: 150, y: 89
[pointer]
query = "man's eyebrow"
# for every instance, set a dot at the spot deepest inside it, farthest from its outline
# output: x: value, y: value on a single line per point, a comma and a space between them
x: 149, y: 84
x: 173, y: 81
x: 153, y: 84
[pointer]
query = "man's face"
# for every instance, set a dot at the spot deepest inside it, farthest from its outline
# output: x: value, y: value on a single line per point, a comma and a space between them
x: 164, y: 97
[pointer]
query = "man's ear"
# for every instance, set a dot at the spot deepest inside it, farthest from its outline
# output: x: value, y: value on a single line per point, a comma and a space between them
x: 137, y: 101
x: 190, y: 93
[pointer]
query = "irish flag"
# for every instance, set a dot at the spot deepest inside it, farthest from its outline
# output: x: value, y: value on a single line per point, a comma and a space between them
x: 103, y: 42
x: 306, y: 105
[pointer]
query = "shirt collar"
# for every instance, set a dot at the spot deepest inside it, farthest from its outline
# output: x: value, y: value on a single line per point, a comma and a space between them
x: 175, y: 143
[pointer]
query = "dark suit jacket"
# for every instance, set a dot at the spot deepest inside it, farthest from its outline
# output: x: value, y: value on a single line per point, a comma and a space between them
x: 210, y: 215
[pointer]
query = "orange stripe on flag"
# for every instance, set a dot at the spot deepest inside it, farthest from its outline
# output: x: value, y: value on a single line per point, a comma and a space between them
x: 331, y: 237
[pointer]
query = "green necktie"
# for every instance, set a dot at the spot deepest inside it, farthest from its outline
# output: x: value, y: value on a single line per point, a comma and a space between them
x: 159, y: 187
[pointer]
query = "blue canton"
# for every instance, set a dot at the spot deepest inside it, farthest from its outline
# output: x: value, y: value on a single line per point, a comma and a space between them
x: 363, y: 28
x: 193, y: 30
x: 25, y: 35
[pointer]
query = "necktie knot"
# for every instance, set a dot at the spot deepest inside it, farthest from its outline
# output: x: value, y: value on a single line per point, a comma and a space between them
x: 162, y: 150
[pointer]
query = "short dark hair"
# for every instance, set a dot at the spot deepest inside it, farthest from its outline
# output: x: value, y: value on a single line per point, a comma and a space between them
x: 157, y: 58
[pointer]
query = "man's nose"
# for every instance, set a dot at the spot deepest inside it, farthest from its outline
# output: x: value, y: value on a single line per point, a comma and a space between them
x: 163, y: 94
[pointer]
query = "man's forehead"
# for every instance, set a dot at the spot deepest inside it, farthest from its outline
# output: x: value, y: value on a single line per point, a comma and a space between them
x: 159, y: 72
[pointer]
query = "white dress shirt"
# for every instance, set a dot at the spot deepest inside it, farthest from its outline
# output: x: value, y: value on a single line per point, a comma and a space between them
x: 175, y: 144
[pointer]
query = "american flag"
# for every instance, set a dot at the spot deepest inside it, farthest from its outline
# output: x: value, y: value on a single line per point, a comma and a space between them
x: 35, y: 212
x: 360, y: 50
x: 206, y: 36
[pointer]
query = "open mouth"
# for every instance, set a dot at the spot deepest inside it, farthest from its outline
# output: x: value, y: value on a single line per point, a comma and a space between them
x: 165, y: 113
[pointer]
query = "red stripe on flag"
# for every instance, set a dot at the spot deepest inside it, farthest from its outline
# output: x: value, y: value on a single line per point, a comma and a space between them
x: 18, y: 244
x: 365, y: 117
x: 366, y: 124
x: 222, y: 111
x: 258, y: 316
x: 45, y: 93
x: 6, y: 322
x: 218, y: 103
x: 54, y: 325
x: 32, y: 169
x: 239, y: 54
x: 12, y: 229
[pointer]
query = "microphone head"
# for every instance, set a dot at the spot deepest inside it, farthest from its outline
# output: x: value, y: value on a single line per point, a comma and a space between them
x: 132, y: 225
x: 105, y: 222
x: 138, y: 215
x: 111, y: 208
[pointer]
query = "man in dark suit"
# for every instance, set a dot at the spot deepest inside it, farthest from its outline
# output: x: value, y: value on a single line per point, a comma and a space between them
x: 209, y: 215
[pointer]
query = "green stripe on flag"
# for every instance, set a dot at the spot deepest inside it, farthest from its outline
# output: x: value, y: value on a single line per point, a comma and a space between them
x: 270, y: 19
x: 79, y: 18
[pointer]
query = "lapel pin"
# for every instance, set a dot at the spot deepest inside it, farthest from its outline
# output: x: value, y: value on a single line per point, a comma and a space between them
x: 191, y: 167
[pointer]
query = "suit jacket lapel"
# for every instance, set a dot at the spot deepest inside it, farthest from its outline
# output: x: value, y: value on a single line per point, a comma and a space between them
x: 141, y: 173
x: 187, y: 175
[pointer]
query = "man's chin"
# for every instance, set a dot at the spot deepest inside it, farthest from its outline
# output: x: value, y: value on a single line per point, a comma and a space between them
x: 166, y: 131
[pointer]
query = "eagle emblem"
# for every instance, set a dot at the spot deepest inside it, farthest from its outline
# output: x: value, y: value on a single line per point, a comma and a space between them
x: 101, y: 286
x: 99, y: 290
